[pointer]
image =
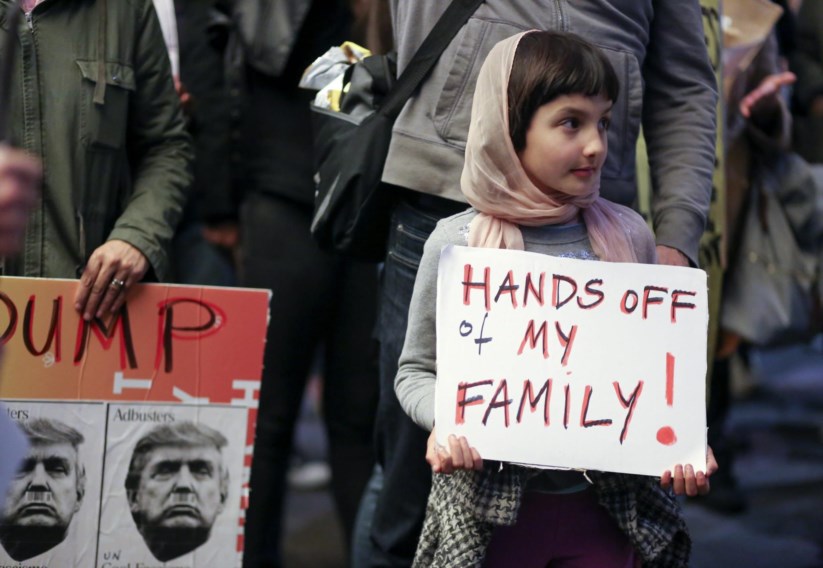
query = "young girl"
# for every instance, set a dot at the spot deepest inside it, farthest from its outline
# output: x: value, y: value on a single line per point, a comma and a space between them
x: 534, y: 154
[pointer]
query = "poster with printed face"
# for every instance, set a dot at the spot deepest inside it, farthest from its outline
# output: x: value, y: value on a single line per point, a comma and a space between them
x: 172, y: 488
x: 50, y: 510
x: 568, y: 363
x: 173, y: 347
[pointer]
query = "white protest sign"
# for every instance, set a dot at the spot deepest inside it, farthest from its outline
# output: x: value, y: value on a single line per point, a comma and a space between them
x: 572, y: 364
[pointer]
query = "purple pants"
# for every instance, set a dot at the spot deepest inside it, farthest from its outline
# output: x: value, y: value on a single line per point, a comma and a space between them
x: 561, y: 530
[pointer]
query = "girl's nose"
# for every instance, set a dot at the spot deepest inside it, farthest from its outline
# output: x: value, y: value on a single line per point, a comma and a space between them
x: 595, y: 144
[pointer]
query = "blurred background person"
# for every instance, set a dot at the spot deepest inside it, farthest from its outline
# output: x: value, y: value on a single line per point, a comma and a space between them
x: 205, y: 243
x: 806, y: 61
x: 759, y: 166
x: 319, y: 300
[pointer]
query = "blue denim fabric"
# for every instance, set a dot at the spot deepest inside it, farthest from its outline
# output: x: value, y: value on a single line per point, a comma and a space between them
x: 197, y: 261
x: 401, y: 445
x: 361, y: 547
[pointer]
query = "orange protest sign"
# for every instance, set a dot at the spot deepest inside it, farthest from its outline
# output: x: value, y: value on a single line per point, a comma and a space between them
x: 176, y: 367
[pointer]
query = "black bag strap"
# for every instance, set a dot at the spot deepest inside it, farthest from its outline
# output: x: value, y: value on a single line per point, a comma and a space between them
x: 457, y: 14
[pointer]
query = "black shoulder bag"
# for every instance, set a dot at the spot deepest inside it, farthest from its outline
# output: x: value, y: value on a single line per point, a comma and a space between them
x: 351, y: 206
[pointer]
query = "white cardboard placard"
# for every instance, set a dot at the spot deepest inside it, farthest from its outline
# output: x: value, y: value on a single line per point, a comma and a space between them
x: 567, y: 363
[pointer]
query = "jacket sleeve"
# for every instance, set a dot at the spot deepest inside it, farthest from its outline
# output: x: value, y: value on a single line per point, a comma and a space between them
x: 806, y: 57
x: 159, y: 149
x: 679, y: 114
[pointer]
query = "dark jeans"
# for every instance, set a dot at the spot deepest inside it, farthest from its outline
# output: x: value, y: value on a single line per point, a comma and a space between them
x: 317, y: 299
x: 717, y: 414
x: 401, y: 444
x: 197, y: 261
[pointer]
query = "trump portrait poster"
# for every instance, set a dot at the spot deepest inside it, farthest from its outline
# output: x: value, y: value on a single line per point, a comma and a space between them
x: 50, y: 510
x: 140, y: 424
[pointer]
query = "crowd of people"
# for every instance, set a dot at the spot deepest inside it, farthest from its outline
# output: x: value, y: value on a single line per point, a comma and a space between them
x: 168, y: 141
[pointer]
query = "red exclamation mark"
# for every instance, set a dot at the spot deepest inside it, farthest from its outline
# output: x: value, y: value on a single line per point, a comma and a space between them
x: 666, y: 435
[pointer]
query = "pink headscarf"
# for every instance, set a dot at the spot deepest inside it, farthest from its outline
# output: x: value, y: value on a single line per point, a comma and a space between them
x: 495, y: 183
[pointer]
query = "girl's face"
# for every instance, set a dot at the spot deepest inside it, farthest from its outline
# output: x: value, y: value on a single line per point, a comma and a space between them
x: 566, y: 144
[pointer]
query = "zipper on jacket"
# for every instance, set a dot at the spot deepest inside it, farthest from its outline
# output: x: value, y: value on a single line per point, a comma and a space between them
x: 561, y: 17
x: 30, y: 248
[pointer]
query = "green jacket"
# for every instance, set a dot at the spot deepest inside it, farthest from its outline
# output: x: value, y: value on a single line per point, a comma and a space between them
x: 115, y: 152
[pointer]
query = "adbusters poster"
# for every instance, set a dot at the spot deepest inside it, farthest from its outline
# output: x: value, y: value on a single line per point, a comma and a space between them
x: 158, y: 407
x: 50, y: 511
x: 173, y: 480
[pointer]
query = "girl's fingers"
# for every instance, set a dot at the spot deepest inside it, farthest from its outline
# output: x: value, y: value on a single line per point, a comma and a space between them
x: 679, y: 480
x: 432, y: 456
x: 666, y: 479
x: 685, y: 481
x: 468, y: 458
x: 478, y: 461
x: 437, y: 463
x: 703, y: 486
x: 711, y: 462
x: 456, y: 454
x: 690, y: 481
x: 456, y: 451
x: 446, y: 461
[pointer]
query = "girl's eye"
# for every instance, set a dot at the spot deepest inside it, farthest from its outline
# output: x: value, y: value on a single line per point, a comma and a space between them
x: 605, y: 122
x: 571, y: 122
